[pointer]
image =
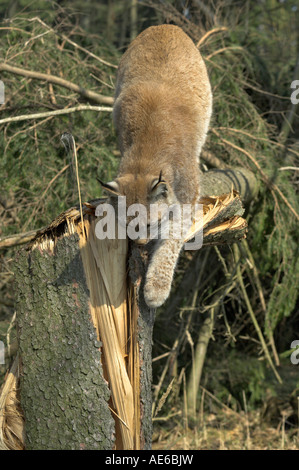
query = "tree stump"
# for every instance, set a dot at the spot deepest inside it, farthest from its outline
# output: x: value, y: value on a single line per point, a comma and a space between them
x: 85, y: 333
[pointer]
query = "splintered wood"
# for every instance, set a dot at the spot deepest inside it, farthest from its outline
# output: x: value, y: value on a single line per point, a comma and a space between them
x: 220, y: 220
x: 105, y: 268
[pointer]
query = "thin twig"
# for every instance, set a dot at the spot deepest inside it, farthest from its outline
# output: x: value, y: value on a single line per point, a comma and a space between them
x: 11, y: 28
x: 69, y: 139
x: 252, y: 315
x: 162, y: 377
x: 224, y: 49
x: 77, y: 46
x: 163, y: 398
x: 44, y: 193
x: 269, y: 183
x: 222, y: 405
x: 261, y: 296
x: 209, y: 33
x: 254, y: 137
x: 263, y: 92
x: 284, y: 168
x: 58, y: 112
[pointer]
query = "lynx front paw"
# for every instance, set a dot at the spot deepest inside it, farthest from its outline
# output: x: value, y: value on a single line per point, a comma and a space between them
x: 156, y: 292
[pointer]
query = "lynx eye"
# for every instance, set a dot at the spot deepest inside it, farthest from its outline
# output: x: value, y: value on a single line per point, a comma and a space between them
x: 160, y: 189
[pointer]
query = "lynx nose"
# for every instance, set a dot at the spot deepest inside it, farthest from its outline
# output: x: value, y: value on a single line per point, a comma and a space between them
x: 141, y: 241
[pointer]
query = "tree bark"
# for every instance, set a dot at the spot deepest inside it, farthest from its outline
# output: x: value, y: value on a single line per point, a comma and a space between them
x: 64, y: 395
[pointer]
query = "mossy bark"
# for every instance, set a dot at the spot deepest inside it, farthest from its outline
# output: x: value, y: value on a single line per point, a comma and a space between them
x: 217, y: 182
x: 64, y: 395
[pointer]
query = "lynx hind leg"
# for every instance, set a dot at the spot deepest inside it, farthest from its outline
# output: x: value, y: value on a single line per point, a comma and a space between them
x: 160, y: 272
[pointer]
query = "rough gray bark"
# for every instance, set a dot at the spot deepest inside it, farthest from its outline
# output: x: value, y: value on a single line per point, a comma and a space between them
x: 64, y: 396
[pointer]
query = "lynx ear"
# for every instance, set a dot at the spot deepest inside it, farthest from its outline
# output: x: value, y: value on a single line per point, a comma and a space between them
x: 111, y: 187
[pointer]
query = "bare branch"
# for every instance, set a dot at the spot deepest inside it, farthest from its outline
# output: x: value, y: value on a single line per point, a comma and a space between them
x: 18, y: 239
x: 57, y: 81
x: 209, y: 33
x: 58, y: 112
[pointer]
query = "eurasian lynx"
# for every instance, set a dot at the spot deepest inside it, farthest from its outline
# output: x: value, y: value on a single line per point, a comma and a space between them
x: 162, y: 109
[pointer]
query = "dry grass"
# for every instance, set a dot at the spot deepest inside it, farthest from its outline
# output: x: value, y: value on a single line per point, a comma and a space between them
x: 226, y: 431
x: 11, y: 419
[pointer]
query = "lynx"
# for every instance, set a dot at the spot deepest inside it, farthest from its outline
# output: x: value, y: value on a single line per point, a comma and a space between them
x: 162, y: 109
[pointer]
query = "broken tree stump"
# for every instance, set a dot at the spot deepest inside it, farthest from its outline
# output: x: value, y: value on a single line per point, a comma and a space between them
x: 83, y: 367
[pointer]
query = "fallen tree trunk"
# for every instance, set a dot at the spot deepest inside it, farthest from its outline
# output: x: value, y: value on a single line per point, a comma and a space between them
x: 85, y: 332
x: 221, y: 181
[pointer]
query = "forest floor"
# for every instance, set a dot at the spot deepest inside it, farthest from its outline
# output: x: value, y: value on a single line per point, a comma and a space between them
x: 273, y: 426
x: 227, y: 431
x: 270, y: 424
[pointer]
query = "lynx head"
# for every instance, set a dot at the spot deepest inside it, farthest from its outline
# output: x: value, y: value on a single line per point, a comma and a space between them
x: 152, y: 193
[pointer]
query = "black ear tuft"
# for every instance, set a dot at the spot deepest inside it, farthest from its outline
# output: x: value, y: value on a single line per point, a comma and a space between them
x: 111, y: 187
x: 161, y: 180
x: 100, y: 181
